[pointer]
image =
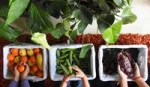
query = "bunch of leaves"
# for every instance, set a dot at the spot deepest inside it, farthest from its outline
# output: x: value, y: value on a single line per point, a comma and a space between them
x: 74, y: 15
x: 68, y: 57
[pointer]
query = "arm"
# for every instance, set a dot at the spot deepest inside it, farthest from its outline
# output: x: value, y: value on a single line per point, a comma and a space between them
x: 80, y: 74
x: 14, y: 83
x: 24, y: 81
x: 65, y: 81
x: 137, y: 78
x: 123, y: 78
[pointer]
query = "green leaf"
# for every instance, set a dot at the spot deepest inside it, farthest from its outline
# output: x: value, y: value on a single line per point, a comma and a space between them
x: 40, y: 16
x: 16, y: 9
x: 129, y: 1
x: 55, y: 7
x: 9, y: 33
x: 66, y: 24
x: 70, y: 1
x: 76, y: 14
x: 104, y: 21
x: 128, y: 16
x: 81, y: 26
x: 118, y: 2
x: 3, y: 11
x: 40, y: 38
x: 73, y: 33
x: 103, y: 5
x: 84, y: 51
x: 33, y: 26
x: 111, y: 34
x: 85, y: 14
x: 59, y: 31
x: 10, y: 2
x: 66, y: 9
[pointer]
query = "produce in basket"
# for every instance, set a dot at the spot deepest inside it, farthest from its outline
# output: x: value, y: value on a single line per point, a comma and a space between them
x: 110, y: 62
x: 68, y: 57
x: 126, y: 61
x: 33, y: 57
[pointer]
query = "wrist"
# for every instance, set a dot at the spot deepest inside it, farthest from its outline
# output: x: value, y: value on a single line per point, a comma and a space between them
x: 137, y: 79
x: 22, y: 78
x: 123, y: 78
x: 16, y: 78
x: 84, y: 77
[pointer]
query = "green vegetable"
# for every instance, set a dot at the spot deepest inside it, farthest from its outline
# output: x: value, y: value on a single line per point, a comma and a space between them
x: 76, y: 60
x: 59, y: 61
x: 64, y: 56
x: 67, y: 49
x: 58, y: 53
x: 84, y: 50
x: 69, y: 66
x: 70, y: 56
x: 65, y: 70
x: 60, y: 71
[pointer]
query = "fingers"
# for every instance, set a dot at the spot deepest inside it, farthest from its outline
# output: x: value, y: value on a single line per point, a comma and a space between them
x: 75, y: 68
x: 119, y: 70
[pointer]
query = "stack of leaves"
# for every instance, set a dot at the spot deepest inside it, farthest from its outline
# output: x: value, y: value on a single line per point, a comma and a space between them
x: 68, y: 57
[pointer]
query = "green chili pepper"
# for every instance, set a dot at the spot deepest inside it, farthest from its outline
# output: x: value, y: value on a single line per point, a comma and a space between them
x: 76, y: 60
x: 70, y: 56
x: 64, y: 69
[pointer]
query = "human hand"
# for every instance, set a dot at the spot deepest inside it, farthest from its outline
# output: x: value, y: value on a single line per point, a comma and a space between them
x: 66, y: 78
x: 26, y: 72
x: 122, y: 75
x: 136, y: 72
x: 16, y: 74
x: 79, y: 73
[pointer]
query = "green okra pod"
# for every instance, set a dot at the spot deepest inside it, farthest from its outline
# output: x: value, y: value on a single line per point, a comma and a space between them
x: 70, y: 56
x: 58, y: 53
x: 63, y: 56
x: 64, y: 69
x: 69, y: 66
x: 59, y: 61
x: 67, y: 49
x: 60, y: 71
x: 76, y: 60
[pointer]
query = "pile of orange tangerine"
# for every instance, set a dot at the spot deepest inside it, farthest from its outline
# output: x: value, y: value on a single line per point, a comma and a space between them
x: 15, y: 58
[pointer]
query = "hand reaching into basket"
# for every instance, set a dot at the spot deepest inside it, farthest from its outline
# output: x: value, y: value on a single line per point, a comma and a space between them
x: 79, y: 74
x: 137, y: 77
x: 23, y: 75
x: 123, y: 78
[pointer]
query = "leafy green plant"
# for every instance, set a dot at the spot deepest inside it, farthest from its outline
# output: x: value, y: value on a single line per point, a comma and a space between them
x: 74, y: 15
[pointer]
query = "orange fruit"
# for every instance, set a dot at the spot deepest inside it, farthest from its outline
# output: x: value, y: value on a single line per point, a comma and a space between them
x: 24, y: 58
x: 14, y: 51
x: 32, y: 59
x: 21, y: 68
x: 36, y: 50
x: 34, y: 68
x: 11, y: 64
x: 39, y: 74
x: 11, y: 57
